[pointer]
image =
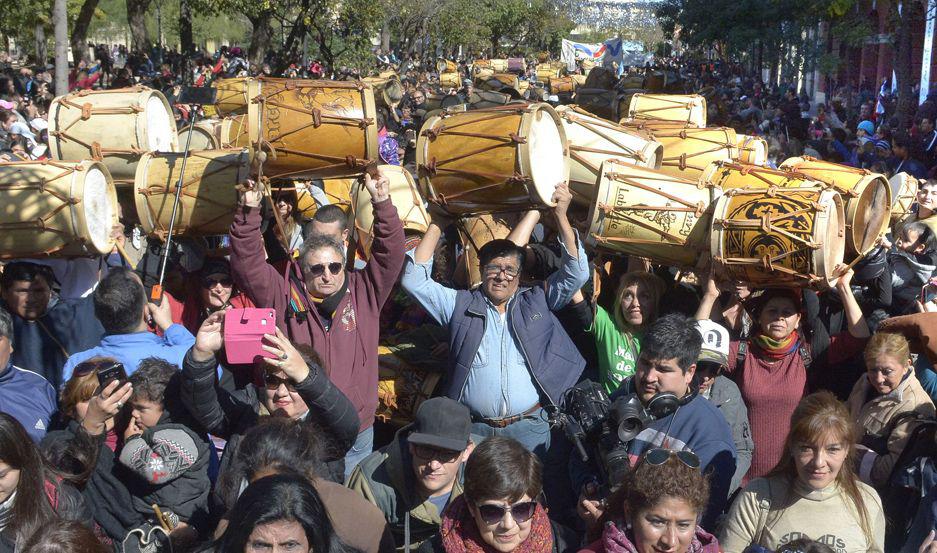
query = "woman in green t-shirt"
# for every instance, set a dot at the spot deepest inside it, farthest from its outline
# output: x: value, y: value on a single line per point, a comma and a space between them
x: 618, y: 334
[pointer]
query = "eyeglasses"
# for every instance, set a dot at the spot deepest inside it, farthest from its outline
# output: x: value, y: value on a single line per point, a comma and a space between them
x: 272, y: 382
x: 659, y: 456
x: 428, y: 453
x: 211, y: 282
x: 319, y: 269
x: 495, y: 270
x: 520, y: 512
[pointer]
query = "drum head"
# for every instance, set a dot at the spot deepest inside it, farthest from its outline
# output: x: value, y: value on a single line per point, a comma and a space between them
x: 834, y: 246
x: 901, y: 186
x: 873, y: 211
x: 98, y: 205
x: 546, y: 148
x: 160, y: 128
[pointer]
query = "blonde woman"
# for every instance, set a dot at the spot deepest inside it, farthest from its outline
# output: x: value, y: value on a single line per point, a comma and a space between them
x: 885, y: 403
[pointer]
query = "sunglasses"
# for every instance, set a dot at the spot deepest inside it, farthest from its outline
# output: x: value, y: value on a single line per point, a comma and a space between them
x: 319, y: 269
x: 88, y: 367
x: 428, y: 453
x: 211, y: 282
x: 273, y: 382
x: 659, y: 456
x: 520, y: 512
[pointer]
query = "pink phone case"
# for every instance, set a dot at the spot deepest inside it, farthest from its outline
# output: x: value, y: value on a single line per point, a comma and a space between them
x: 244, y: 330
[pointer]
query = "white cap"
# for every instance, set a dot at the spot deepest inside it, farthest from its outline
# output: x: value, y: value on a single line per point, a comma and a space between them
x: 715, y: 342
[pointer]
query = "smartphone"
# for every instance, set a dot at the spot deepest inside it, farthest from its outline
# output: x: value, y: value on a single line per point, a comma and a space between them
x: 244, y: 331
x: 111, y: 373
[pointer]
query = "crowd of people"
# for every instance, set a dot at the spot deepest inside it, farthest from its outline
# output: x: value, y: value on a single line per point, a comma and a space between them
x: 771, y: 419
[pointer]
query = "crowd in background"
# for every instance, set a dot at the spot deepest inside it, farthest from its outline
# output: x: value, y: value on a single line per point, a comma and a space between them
x: 772, y: 419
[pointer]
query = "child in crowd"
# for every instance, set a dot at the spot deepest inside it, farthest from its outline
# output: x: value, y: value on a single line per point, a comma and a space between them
x: 912, y: 261
x: 169, y: 459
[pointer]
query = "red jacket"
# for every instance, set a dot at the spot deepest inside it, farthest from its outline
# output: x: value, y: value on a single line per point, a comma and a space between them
x: 349, y: 347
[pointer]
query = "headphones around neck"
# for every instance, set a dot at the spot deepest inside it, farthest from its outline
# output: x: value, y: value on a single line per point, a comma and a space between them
x: 663, y: 404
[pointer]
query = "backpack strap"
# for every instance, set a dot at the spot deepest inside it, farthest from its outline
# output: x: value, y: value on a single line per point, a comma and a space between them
x: 805, y: 355
x: 740, y: 355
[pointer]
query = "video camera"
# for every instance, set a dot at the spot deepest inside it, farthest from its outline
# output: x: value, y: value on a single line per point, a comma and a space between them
x: 594, y: 423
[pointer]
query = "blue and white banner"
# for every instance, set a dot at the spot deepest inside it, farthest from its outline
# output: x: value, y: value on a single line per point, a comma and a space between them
x: 603, y: 53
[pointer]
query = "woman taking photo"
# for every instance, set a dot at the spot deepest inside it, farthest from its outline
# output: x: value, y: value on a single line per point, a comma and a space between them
x: 499, y: 509
x: 87, y: 445
x: 813, y: 491
x: 771, y: 368
x: 657, y: 508
x: 886, y: 403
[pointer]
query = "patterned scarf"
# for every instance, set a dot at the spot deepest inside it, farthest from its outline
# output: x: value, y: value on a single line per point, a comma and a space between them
x: 616, y: 541
x: 776, y: 349
x: 460, y: 534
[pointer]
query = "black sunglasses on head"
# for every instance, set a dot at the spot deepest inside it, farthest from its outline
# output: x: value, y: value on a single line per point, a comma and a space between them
x: 520, y: 512
x: 659, y: 456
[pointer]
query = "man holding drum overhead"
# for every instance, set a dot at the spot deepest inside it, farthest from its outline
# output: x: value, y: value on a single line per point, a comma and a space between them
x: 509, y: 357
x: 332, y: 309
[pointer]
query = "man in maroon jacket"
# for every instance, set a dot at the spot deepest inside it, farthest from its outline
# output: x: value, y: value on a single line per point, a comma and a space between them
x: 334, y: 310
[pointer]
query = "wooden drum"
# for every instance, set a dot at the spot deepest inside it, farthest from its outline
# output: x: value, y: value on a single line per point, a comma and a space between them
x: 205, y: 135
x: 866, y: 195
x: 562, y: 85
x: 651, y: 214
x: 405, y: 197
x: 338, y: 191
x: 112, y: 126
x: 752, y: 150
x: 56, y: 208
x: 688, y: 152
x: 592, y: 140
x: 450, y: 80
x: 687, y: 109
x: 775, y: 237
x: 903, y: 195
x: 317, y: 129
x: 234, y: 95
x: 493, y: 160
x: 209, y: 195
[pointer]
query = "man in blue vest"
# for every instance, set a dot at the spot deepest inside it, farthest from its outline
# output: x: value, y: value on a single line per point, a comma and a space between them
x: 510, y: 361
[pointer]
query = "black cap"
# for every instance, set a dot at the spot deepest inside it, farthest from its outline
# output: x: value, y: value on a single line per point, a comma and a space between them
x: 443, y: 423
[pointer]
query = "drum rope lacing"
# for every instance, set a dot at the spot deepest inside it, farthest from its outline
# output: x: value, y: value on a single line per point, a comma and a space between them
x: 42, y: 223
x: 159, y: 189
x: 86, y: 111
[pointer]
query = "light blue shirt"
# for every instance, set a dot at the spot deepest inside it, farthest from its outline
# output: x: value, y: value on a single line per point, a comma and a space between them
x: 499, y: 383
x: 132, y: 348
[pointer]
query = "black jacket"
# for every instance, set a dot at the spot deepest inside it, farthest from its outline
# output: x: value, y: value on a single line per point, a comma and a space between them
x: 105, y: 493
x: 229, y: 415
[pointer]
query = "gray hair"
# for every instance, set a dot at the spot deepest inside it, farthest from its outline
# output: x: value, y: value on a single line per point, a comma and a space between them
x: 317, y: 242
x: 6, y: 325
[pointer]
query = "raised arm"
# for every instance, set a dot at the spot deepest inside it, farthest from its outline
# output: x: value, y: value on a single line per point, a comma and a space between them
x: 435, y: 298
x: 521, y: 232
x: 387, y: 253
x: 574, y: 270
x: 253, y: 275
x: 858, y: 327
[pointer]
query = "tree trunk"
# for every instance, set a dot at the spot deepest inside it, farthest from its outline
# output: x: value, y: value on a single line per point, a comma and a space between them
x: 385, y: 35
x: 136, y: 19
x: 261, y: 35
x: 41, y: 48
x: 60, y: 26
x: 296, y: 39
x: 185, y: 28
x: 80, y: 30
x: 906, y: 105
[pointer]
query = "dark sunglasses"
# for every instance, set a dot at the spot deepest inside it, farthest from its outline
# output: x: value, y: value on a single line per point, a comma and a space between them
x: 428, y: 453
x: 520, y: 512
x: 88, y: 367
x: 211, y: 282
x: 273, y: 382
x: 659, y: 456
x: 319, y: 269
